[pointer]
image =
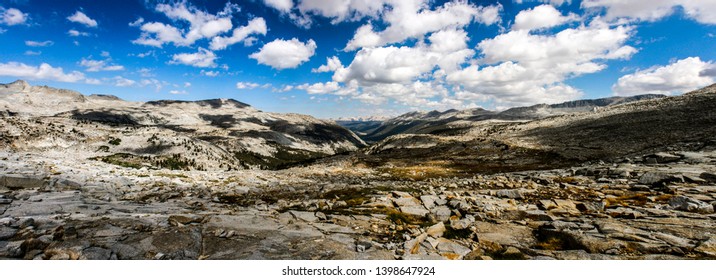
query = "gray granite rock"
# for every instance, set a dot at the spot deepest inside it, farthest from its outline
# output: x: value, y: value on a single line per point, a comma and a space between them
x: 684, y: 203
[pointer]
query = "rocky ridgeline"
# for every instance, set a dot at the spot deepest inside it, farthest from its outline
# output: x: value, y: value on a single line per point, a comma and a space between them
x: 215, y: 134
x: 660, y: 206
x: 453, y: 122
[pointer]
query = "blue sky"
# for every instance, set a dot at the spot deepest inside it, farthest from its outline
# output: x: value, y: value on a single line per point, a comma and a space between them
x: 356, y: 58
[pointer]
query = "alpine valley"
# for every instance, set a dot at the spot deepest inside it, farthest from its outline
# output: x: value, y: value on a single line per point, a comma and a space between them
x: 97, y: 177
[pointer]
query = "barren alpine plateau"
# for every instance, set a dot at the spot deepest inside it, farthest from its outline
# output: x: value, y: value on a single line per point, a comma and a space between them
x: 97, y: 177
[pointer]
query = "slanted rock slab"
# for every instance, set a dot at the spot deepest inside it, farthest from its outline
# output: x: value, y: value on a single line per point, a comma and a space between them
x: 415, y: 210
x: 688, y: 204
x: 707, y: 247
x: 436, y: 230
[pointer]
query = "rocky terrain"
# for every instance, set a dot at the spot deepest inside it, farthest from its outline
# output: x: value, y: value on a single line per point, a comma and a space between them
x: 612, y: 134
x: 628, y: 181
x: 219, y: 134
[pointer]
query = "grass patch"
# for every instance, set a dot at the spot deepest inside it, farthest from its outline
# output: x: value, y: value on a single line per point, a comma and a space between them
x: 432, y: 169
x: 283, y: 158
x: 173, y: 162
x: 114, y: 141
x: 552, y: 244
x: 124, y: 160
x: 270, y: 197
x: 170, y: 175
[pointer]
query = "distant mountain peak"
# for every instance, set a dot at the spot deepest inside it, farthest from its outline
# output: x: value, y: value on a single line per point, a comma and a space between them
x: 41, y: 95
x: 20, y: 83
x: 16, y: 86
x: 104, y: 97
x: 706, y: 90
x: 453, y: 121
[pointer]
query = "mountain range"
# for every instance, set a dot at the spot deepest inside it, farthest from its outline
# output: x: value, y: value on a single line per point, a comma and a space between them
x: 548, y: 136
x: 207, y: 134
x: 228, y: 134
x: 451, y: 121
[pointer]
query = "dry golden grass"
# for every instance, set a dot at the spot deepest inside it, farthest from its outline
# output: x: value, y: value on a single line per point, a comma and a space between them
x: 551, y: 244
x: 427, y: 170
x: 566, y: 180
x: 638, y: 199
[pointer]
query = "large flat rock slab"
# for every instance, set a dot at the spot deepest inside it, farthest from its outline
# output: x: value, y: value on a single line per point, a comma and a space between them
x: 242, y: 223
x: 16, y: 181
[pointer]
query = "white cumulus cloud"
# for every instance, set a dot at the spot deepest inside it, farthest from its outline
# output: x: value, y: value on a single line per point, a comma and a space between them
x: 524, y: 68
x: 387, y: 65
x: 440, y: 70
x: 552, y: 2
x: 43, y: 72
x: 283, y: 54
x: 99, y: 65
x: 201, y: 25
x: 203, y: 58
x: 12, y: 16
x: 82, y: 18
x: 75, y: 33
x: 320, y: 88
x: 283, y: 6
x: 652, y: 10
x: 543, y: 16
x: 157, y: 84
x: 332, y: 64
x: 411, y: 76
x: 342, y: 10
x: 404, y: 15
x: 681, y: 76
x: 571, y: 47
x: 446, y: 51
x: 156, y: 34
x: 246, y: 85
x: 123, y: 82
x: 255, y: 26
x: 209, y: 73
